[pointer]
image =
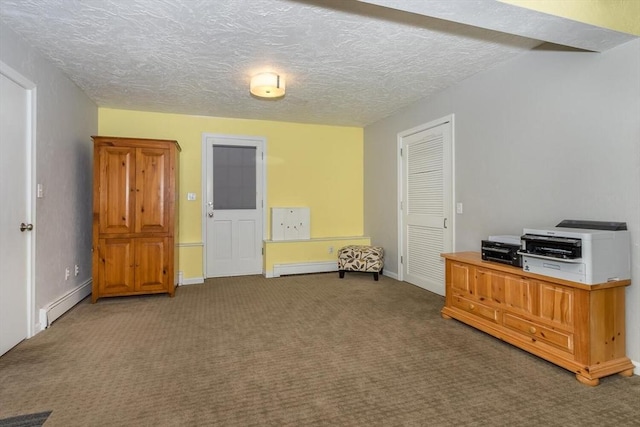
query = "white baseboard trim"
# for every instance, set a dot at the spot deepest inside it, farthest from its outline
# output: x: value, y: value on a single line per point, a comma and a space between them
x: 42, y: 322
x: 636, y: 370
x: 390, y: 274
x: 192, y: 281
x: 55, y: 309
x: 302, y: 268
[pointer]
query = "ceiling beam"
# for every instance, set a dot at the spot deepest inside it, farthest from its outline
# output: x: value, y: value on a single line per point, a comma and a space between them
x: 511, y: 19
x: 619, y: 15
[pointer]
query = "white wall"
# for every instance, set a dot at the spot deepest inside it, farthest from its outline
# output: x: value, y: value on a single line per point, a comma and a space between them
x: 550, y: 135
x: 66, y: 119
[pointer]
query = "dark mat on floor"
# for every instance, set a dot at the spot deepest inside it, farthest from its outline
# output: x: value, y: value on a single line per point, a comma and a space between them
x: 30, y: 420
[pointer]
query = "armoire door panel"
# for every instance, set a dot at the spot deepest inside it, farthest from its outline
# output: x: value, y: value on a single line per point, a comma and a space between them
x: 152, y: 175
x: 152, y: 262
x: 116, y: 192
x: 116, y: 273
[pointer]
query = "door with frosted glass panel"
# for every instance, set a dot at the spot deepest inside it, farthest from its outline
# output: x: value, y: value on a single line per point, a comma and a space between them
x: 233, y: 207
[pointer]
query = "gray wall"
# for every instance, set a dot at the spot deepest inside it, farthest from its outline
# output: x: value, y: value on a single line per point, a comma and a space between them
x: 66, y: 119
x: 550, y: 135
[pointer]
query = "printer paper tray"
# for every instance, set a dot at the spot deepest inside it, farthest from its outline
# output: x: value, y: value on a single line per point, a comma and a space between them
x: 551, y: 258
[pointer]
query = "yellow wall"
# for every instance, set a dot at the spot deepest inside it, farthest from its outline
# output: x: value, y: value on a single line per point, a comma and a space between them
x: 618, y: 15
x: 317, y: 166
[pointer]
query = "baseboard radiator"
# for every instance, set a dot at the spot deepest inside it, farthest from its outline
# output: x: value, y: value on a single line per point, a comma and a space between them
x: 191, y: 281
x: 303, y: 268
x: 57, y: 308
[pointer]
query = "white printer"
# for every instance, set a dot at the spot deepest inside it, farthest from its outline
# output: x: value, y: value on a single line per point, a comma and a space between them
x: 588, y: 252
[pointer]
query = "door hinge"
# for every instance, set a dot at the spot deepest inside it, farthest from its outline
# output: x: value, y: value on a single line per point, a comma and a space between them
x: 401, y: 152
x: 401, y: 260
x: 400, y: 204
x: 262, y: 251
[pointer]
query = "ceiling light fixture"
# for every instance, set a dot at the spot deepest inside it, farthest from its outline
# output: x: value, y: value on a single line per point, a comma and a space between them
x: 267, y: 85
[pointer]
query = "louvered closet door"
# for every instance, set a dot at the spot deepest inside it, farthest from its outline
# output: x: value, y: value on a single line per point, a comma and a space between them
x: 427, y: 204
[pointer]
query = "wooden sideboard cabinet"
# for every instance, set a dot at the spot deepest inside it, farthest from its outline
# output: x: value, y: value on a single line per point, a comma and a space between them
x: 135, y: 216
x: 579, y: 327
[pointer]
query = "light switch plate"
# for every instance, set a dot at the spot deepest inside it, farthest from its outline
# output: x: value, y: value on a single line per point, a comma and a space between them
x: 191, y: 196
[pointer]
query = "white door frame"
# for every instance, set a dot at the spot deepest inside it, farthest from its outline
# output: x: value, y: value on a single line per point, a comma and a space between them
x: 404, y: 134
x: 260, y: 141
x: 32, y: 320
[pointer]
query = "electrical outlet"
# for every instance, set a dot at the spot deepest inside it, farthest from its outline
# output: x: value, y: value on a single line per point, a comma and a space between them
x: 330, y: 250
x: 67, y: 273
x: 76, y: 270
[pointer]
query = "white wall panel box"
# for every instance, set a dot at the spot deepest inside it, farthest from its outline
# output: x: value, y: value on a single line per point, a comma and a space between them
x: 290, y: 223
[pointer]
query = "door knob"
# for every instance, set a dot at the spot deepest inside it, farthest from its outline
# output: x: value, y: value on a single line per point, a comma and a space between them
x: 27, y: 227
x: 210, y: 214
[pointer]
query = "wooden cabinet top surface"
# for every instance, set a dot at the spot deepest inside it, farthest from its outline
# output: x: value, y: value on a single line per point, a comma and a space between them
x: 475, y: 258
x: 115, y: 140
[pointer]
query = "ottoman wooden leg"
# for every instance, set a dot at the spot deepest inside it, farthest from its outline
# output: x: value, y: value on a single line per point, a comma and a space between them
x: 375, y: 276
x: 341, y: 273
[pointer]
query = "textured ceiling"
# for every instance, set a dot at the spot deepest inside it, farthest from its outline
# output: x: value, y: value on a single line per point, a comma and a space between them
x: 345, y: 62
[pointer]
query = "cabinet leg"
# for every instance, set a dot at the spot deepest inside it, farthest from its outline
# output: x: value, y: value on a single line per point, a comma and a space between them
x: 588, y: 381
x: 627, y: 373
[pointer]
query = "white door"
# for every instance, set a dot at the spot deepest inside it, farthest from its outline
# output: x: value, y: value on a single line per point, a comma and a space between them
x: 426, y: 203
x: 15, y: 215
x: 233, y: 211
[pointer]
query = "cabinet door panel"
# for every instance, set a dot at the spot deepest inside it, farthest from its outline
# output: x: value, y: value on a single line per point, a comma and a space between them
x: 461, y: 278
x: 115, y: 275
x: 489, y: 285
x: 519, y: 294
x: 556, y: 304
x: 115, y: 192
x: 152, y: 190
x: 152, y: 262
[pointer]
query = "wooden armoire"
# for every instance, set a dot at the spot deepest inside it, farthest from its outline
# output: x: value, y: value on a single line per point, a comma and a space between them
x: 135, y: 216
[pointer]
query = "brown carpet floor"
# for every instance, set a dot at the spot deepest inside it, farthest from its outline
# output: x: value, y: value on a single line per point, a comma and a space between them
x: 293, y: 351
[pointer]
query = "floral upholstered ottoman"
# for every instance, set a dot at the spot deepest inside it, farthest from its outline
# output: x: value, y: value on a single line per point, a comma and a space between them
x: 361, y: 258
